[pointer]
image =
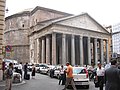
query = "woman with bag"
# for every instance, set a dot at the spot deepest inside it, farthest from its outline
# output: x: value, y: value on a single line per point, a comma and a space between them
x: 33, y: 71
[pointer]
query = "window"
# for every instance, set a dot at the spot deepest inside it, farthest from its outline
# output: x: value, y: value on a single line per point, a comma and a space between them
x: 23, y: 25
x: 79, y: 71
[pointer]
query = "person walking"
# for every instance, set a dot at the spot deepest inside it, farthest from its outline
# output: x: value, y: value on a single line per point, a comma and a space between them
x: 25, y: 70
x: 69, y: 78
x: 8, y: 76
x: 33, y: 71
x: 62, y: 75
x: 112, y: 77
x: 100, y: 76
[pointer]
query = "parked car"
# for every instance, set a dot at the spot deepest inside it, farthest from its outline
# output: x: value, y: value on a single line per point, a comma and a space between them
x: 7, y: 61
x: 37, y: 68
x: 44, y: 70
x: 41, y: 67
x: 81, y: 77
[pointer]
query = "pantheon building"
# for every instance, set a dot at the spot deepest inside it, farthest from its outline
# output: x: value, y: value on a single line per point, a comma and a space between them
x: 43, y: 35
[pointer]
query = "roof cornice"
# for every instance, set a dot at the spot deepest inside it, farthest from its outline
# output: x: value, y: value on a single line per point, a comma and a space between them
x: 24, y: 13
x: 49, y: 10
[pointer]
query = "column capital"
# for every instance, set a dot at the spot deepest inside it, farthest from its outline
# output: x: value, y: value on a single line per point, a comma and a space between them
x: 54, y: 34
x: 95, y: 38
x: 72, y: 36
x: 81, y: 36
x: 48, y: 35
x: 106, y: 40
x: 63, y: 35
x: 89, y: 38
x: 101, y: 39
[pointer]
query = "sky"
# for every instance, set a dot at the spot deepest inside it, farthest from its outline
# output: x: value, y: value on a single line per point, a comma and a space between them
x: 105, y: 12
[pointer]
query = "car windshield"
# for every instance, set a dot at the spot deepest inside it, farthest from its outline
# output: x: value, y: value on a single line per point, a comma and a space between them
x: 43, y: 65
x: 29, y: 65
x: 78, y: 70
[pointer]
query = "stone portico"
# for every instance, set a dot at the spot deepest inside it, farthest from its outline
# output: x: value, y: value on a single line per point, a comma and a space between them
x: 43, y: 35
x: 75, y: 39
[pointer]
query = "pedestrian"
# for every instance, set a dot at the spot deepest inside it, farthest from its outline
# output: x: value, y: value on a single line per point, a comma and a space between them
x: 107, y: 65
x: 112, y: 77
x: 100, y: 76
x: 69, y: 78
x: 62, y: 75
x: 9, y: 76
x: 25, y: 70
x: 20, y: 69
x: 33, y: 71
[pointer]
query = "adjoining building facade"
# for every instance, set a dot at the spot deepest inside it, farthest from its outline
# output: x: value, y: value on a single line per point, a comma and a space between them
x: 109, y: 29
x: 16, y: 35
x: 2, y: 20
x: 55, y: 37
x: 116, y: 38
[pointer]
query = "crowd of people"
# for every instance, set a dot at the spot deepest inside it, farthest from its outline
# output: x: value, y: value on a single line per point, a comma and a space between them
x: 110, y: 76
x: 8, y: 73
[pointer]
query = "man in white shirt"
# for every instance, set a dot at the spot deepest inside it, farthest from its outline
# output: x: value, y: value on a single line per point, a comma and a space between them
x: 62, y: 75
x: 100, y: 75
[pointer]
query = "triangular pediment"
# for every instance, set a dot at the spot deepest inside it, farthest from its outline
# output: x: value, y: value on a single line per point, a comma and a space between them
x: 83, y: 21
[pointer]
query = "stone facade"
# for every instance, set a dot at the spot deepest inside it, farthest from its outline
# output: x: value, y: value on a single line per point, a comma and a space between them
x: 18, y: 27
x: 49, y: 36
x: 16, y: 35
x: 77, y: 39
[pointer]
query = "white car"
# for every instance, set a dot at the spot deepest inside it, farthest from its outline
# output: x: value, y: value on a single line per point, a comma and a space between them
x: 37, y: 68
x: 44, y: 70
x: 81, y: 76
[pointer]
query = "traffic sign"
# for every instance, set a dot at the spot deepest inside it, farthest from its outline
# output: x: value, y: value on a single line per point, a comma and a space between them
x: 8, y: 48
